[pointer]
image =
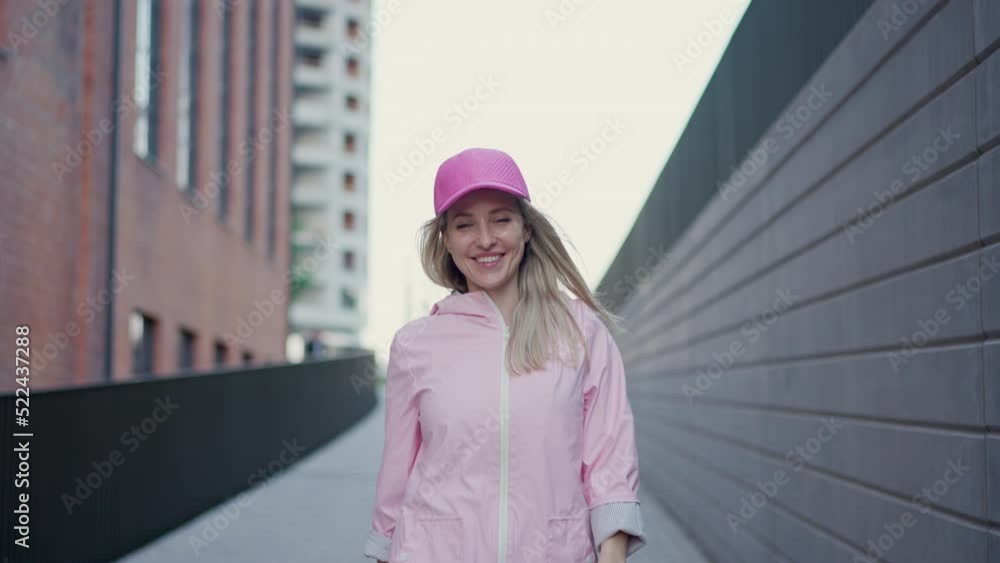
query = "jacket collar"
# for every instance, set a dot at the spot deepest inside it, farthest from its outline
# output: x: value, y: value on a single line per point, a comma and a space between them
x: 477, y: 304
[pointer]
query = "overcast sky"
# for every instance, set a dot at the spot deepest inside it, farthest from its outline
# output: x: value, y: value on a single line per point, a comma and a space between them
x: 541, y: 80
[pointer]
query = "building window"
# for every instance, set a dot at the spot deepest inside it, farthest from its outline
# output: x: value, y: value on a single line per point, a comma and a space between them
x: 221, y: 354
x: 250, y: 201
x: 186, y: 350
x: 147, y: 64
x: 352, y: 103
x: 225, y: 103
x: 348, y: 221
x: 352, y: 28
x: 272, y: 185
x: 312, y: 19
x: 348, y: 260
x: 142, y: 339
x: 347, y: 299
x: 352, y: 66
x: 348, y: 182
x: 349, y: 142
x: 187, y: 94
x: 311, y: 58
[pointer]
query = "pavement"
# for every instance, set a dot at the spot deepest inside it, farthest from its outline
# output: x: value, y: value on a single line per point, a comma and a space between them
x: 319, y: 510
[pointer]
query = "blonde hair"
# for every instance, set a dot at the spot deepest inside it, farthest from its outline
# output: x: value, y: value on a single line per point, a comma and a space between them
x: 542, y: 319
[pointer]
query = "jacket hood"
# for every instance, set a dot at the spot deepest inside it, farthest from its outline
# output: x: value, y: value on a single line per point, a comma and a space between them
x: 476, y: 304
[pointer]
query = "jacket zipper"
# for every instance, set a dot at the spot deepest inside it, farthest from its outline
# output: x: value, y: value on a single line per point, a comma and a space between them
x: 504, y: 439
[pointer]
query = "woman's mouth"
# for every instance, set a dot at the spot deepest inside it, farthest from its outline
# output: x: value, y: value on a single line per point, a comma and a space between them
x: 490, y: 261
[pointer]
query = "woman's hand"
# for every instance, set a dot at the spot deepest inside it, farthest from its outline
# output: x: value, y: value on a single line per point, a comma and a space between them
x: 613, y: 549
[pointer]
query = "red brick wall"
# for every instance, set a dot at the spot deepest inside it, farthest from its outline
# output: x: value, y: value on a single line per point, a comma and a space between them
x: 54, y: 79
x: 183, y: 270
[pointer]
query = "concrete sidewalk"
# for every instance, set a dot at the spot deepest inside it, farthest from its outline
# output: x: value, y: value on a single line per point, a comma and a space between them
x: 319, y: 512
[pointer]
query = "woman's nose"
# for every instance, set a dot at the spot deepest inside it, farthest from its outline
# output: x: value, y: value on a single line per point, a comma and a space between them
x: 486, y: 237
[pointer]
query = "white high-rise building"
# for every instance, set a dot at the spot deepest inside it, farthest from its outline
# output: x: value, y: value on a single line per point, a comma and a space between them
x: 330, y: 172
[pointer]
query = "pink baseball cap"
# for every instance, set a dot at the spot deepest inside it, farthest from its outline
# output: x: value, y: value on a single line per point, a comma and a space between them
x: 473, y: 169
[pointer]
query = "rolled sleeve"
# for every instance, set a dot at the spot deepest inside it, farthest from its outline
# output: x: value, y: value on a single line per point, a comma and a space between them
x: 610, y: 459
x: 378, y: 546
x: 608, y: 519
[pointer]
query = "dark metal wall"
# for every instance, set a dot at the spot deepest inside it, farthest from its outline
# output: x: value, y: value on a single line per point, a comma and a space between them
x: 815, y: 368
x: 113, y: 467
x: 778, y: 45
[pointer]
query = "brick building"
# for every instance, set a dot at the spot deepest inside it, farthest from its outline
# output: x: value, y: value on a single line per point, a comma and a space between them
x: 144, y: 149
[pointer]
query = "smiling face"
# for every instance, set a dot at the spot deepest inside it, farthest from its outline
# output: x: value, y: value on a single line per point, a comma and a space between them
x: 485, y: 236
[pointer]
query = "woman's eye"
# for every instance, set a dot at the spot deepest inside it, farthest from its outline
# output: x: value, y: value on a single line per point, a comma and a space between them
x: 464, y: 226
x: 504, y: 220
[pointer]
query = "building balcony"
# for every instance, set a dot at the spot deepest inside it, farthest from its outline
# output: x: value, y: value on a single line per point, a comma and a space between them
x: 315, y: 4
x: 312, y: 76
x: 309, y: 197
x: 312, y: 156
x: 315, y: 37
x: 357, y: 120
x: 312, y: 111
x: 328, y: 315
x: 308, y: 236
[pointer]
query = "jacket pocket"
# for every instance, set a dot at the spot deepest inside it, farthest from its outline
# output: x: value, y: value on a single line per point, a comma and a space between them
x: 569, y: 539
x: 434, y: 539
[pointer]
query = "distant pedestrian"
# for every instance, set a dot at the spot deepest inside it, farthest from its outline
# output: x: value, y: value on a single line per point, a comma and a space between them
x: 315, y: 349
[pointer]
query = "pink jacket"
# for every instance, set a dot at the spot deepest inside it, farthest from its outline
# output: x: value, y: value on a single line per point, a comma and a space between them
x: 480, y: 467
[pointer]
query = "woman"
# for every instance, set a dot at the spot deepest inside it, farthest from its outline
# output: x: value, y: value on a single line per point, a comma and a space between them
x: 503, y: 443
